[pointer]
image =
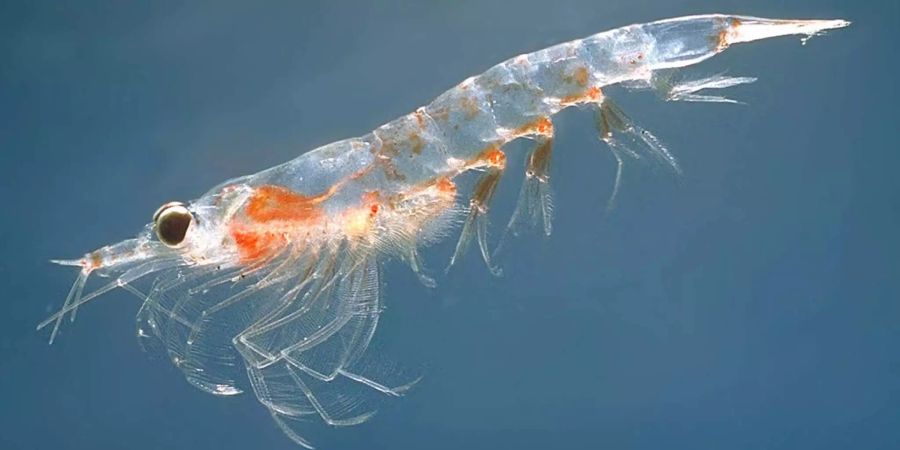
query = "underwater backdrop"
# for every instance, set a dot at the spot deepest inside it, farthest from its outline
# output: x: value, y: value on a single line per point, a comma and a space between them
x: 753, y: 302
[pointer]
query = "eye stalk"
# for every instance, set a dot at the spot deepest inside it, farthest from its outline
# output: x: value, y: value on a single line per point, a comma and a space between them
x: 171, y: 222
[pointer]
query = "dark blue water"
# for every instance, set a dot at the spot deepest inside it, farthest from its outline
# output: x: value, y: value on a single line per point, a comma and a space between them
x: 751, y: 303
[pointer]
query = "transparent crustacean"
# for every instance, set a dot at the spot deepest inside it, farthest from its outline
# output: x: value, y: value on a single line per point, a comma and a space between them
x: 276, y: 275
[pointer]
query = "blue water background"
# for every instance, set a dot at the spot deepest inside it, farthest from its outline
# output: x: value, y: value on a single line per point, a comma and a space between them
x: 752, y: 303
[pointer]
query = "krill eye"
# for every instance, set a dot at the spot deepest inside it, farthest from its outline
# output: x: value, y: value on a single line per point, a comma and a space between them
x: 171, y: 222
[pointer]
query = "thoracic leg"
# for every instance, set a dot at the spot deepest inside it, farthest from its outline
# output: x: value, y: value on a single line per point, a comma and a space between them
x: 321, y: 409
x: 396, y: 391
x: 624, y: 137
x: 415, y: 263
x: 611, y: 203
x: 476, y: 222
x: 535, y: 204
x: 688, y: 90
x: 616, y: 128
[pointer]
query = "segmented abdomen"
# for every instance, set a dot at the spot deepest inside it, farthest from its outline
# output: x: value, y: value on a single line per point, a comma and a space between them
x: 504, y: 103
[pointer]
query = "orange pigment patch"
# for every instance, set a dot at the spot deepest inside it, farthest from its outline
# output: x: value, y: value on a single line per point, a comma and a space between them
x: 417, y: 143
x: 580, y: 76
x: 541, y: 126
x: 446, y: 185
x: 493, y: 156
x: 722, y: 38
x: 360, y: 173
x: 592, y: 95
x: 96, y: 261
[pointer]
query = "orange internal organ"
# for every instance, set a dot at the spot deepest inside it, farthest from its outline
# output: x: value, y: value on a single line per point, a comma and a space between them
x: 275, y: 203
x: 271, y: 213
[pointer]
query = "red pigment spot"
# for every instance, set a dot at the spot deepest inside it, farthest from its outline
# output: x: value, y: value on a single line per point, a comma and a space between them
x: 373, y: 199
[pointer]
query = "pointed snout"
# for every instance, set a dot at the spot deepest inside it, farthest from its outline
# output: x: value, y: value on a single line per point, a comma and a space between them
x: 116, y: 257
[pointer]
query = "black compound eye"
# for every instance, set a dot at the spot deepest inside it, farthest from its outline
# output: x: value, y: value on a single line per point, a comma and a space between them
x: 171, y: 222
